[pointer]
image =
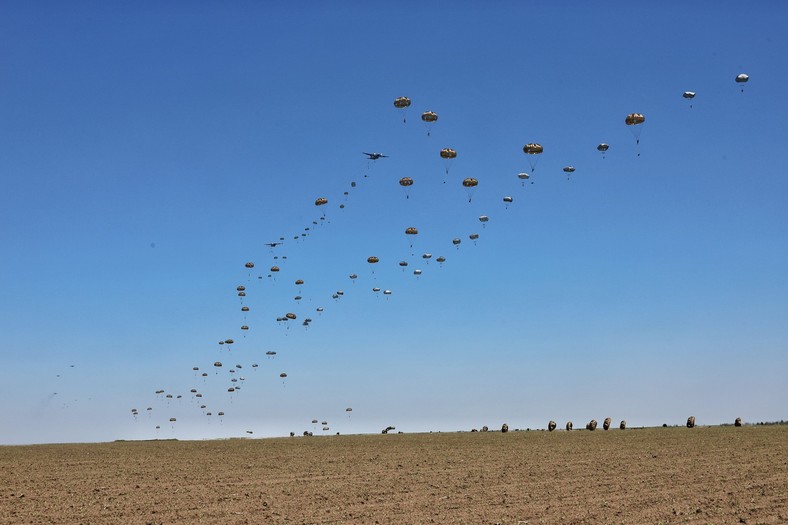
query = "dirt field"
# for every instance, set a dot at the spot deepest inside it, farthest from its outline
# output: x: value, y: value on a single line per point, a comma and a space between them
x: 715, y: 475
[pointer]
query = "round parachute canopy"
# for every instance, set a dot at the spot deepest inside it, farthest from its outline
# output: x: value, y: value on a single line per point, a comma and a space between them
x: 417, y: 272
x: 441, y: 259
x: 401, y: 102
x: 324, y: 422
x: 314, y: 421
x: 231, y: 389
x: 173, y: 420
x: 376, y: 289
x: 195, y: 368
x: 406, y: 181
x: 241, y: 294
x: 244, y: 308
x: 340, y: 292
x: 348, y: 409
x: 456, y: 241
x: 633, y: 119
x: 220, y: 414
x: 742, y: 78
x: 249, y: 265
x: 386, y: 292
x: 218, y: 364
x: 297, y: 298
x: 427, y: 256
x: 403, y: 263
x: 533, y: 149
x: 473, y: 236
x: 689, y: 94
x: 220, y: 342
x: 411, y: 231
x: 372, y: 260
x: 569, y: 169
x: 319, y: 308
x: 290, y: 315
x: 603, y: 147
x: 229, y: 341
x: 429, y: 116
x: 193, y: 390
x: 282, y: 375
x: 507, y: 199
x: 353, y: 276
x: 484, y: 218
x: 244, y: 327
x: 205, y: 374
x: 326, y: 428
x: 448, y: 153
x: 299, y: 282
x: 470, y: 182
x: 254, y: 365
x: 274, y: 268
x: 240, y: 288
x: 270, y: 352
x: 523, y: 176
x: 321, y: 201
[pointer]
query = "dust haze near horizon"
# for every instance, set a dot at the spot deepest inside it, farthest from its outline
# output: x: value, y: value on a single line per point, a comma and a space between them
x: 150, y: 151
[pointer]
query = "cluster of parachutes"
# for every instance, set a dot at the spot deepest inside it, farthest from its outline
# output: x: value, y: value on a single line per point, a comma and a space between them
x: 533, y: 151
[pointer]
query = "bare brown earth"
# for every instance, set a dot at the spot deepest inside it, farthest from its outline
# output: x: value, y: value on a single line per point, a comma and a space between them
x: 712, y: 475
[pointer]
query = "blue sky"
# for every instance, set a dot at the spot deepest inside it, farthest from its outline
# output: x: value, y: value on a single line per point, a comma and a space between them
x: 150, y: 150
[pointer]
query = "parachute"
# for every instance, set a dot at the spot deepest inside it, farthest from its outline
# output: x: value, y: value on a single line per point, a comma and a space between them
x: 507, y: 201
x: 320, y: 201
x: 249, y: 265
x: 602, y: 148
x: 523, y: 177
x: 406, y: 183
x: 448, y: 154
x: 290, y: 316
x: 469, y: 184
x: 635, y: 122
x: 689, y: 95
x: 484, y: 220
x: 533, y: 149
x: 742, y: 79
x: 429, y: 117
x: 402, y: 103
x: 569, y: 170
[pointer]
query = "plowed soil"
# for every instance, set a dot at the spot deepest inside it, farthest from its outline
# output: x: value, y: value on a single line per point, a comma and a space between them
x: 712, y: 475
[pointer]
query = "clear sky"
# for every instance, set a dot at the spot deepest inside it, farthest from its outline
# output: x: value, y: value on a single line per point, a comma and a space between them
x: 150, y: 149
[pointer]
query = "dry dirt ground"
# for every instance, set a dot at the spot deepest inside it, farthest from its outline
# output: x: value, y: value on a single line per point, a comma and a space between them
x: 712, y: 475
